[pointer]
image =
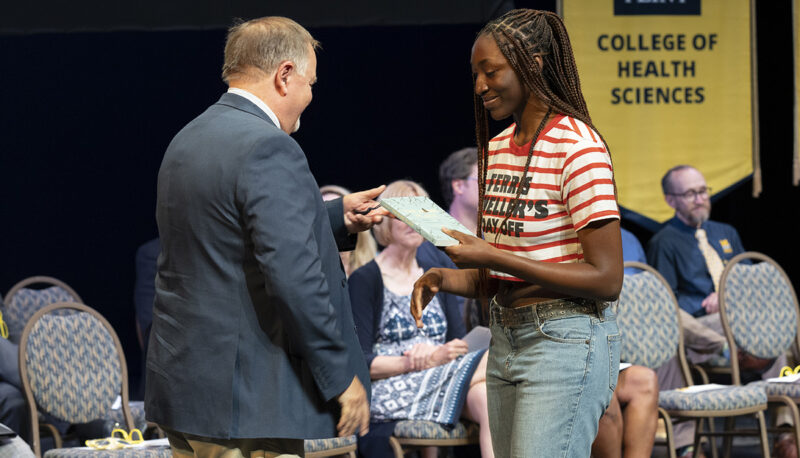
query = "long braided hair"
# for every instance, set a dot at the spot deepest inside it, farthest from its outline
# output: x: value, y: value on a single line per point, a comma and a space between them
x: 521, y: 35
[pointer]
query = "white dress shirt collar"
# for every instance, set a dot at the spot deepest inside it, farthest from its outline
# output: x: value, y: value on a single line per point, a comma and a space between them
x: 257, y: 102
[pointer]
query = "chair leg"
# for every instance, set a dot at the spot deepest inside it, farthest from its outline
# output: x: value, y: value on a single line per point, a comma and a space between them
x: 396, y: 447
x: 790, y: 404
x: 698, y: 429
x: 712, y: 439
x: 762, y: 429
x: 730, y: 425
x: 668, y: 428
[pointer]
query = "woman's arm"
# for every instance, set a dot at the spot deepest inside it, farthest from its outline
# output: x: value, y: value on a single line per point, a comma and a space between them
x: 365, y: 287
x: 422, y: 356
x: 599, y: 276
x: 389, y: 366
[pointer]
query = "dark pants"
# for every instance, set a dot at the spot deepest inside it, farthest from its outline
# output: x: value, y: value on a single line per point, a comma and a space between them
x: 14, y: 411
x: 375, y: 444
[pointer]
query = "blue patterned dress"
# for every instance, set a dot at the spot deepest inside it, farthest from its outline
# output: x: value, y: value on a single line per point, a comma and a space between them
x: 435, y: 394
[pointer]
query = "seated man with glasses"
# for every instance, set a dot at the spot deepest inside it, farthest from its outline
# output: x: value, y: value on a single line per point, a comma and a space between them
x: 679, y: 250
x: 690, y: 251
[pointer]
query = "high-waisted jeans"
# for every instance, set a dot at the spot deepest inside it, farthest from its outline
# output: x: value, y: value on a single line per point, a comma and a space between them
x: 549, y: 382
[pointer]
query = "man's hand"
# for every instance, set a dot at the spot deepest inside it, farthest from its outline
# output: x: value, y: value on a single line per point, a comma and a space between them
x: 448, y: 352
x: 711, y: 303
x: 424, y: 289
x: 355, y: 410
x: 362, y: 200
x: 471, y: 252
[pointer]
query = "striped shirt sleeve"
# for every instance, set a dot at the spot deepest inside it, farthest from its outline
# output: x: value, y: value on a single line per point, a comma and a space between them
x: 587, y: 186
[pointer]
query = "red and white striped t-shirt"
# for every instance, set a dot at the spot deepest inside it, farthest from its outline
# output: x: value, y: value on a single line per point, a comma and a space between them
x: 569, y: 184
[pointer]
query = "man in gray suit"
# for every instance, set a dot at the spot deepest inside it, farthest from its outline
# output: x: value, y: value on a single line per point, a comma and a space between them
x: 252, y: 345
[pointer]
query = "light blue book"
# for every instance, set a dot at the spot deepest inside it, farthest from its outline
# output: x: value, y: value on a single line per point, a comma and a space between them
x: 425, y: 217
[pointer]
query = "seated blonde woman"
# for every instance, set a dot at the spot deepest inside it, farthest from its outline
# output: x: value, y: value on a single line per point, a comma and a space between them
x: 366, y: 248
x: 419, y: 374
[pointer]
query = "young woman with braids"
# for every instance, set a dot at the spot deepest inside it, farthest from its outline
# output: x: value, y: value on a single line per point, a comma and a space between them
x: 552, y: 255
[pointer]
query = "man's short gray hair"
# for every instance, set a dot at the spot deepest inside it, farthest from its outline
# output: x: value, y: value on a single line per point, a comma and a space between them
x: 263, y: 44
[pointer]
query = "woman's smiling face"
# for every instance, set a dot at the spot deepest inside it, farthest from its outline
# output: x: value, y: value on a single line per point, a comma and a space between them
x: 496, y: 83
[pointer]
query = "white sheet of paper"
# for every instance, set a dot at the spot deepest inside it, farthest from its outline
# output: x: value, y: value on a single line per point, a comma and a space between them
x: 144, y: 445
x: 787, y: 379
x: 623, y: 366
x: 701, y: 388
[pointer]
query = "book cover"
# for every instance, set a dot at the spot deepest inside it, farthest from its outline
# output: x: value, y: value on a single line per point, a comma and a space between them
x: 425, y: 217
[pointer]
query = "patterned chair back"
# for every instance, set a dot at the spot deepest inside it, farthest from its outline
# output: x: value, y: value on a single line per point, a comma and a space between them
x: 758, y: 305
x: 72, y: 365
x: 22, y: 301
x: 647, y: 316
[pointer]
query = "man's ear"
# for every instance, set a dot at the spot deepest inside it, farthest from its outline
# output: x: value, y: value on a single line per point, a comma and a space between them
x: 457, y: 186
x: 285, y: 70
x: 670, y: 199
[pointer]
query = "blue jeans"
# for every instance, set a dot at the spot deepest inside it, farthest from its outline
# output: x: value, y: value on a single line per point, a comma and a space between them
x: 548, y: 384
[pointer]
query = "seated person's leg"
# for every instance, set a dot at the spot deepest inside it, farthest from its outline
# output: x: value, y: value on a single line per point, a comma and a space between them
x: 14, y: 411
x: 637, y: 390
x: 476, y: 408
x: 608, y: 443
x: 376, y: 442
x: 703, y: 338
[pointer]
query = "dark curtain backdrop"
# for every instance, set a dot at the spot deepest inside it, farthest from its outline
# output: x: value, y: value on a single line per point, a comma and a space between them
x: 86, y: 117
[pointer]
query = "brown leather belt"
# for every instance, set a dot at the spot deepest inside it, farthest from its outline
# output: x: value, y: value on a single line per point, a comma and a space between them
x: 542, y: 311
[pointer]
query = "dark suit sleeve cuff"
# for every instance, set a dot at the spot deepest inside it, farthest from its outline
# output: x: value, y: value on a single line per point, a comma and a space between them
x: 345, y: 241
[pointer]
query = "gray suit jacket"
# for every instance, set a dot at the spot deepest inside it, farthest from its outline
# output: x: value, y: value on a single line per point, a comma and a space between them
x: 252, y: 333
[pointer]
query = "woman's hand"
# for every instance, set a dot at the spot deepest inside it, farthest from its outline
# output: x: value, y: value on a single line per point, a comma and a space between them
x: 471, y: 252
x: 448, y: 352
x: 424, y: 289
x: 419, y: 356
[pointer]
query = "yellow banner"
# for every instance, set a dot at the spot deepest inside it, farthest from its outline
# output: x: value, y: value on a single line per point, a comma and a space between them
x: 668, y: 83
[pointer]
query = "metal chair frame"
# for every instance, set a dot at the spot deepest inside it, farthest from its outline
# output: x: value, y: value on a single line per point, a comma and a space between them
x: 790, y: 403
x: 403, y: 445
x: 23, y: 366
x: 700, y: 415
x: 42, y: 279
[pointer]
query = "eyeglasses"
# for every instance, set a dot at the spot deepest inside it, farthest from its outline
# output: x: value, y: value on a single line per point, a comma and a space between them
x: 692, y: 194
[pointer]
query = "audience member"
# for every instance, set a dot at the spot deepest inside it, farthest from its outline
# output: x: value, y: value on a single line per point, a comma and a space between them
x: 628, y: 427
x: 631, y: 250
x: 144, y: 288
x: 13, y: 408
x: 13, y: 446
x: 690, y: 252
x: 366, y: 248
x: 458, y: 177
x: 431, y: 367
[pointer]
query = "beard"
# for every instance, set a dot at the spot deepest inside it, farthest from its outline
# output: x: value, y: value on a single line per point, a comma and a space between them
x: 698, y: 215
